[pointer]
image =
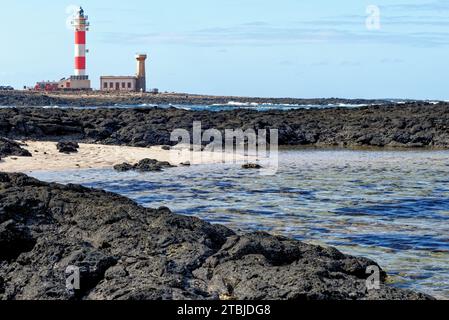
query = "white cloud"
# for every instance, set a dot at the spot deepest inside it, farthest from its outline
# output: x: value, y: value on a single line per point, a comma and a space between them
x: 243, y: 35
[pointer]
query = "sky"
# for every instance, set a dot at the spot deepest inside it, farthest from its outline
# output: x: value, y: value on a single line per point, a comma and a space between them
x: 265, y: 48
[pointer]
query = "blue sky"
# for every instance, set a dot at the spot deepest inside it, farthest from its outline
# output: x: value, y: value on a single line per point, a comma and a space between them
x: 285, y: 48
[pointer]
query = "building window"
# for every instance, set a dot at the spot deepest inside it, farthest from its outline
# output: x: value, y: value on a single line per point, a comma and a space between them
x: 111, y: 85
x: 123, y: 85
x: 129, y: 85
x: 105, y: 85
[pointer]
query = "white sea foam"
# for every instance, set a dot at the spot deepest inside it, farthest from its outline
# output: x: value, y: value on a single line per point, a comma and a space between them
x: 50, y: 107
x: 349, y: 105
x: 237, y: 104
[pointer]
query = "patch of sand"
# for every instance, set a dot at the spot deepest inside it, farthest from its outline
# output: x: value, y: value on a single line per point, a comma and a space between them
x: 47, y: 158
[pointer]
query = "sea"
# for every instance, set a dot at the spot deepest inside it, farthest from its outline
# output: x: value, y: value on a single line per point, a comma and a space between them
x: 390, y: 206
x: 236, y: 105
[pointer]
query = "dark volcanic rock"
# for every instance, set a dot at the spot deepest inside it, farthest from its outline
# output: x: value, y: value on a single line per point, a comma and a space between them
x: 417, y: 124
x: 145, y: 165
x: 67, y: 147
x: 125, y: 251
x: 123, y: 167
x: 12, y: 148
x: 251, y: 166
x: 14, y: 239
x: 21, y: 98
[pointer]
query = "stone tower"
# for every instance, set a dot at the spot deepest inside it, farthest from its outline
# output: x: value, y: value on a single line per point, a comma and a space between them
x: 141, y: 73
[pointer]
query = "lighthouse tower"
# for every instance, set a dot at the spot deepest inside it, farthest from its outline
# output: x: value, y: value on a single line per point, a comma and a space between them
x: 81, y: 25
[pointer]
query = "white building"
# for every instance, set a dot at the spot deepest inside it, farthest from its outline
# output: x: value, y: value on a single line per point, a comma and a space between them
x: 75, y: 83
x: 114, y: 83
x: 135, y: 83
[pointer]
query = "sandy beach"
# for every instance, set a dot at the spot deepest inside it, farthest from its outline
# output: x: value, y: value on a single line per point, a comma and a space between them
x: 96, y: 156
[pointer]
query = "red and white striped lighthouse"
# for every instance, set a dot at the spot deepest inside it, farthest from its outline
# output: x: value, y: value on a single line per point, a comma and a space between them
x: 81, y: 26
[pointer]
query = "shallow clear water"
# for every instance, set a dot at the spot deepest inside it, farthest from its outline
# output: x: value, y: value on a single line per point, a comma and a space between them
x: 391, y: 206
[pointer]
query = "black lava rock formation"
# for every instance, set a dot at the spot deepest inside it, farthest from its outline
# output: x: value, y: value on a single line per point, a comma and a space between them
x: 21, y: 98
x: 125, y: 251
x: 67, y: 147
x: 12, y: 148
x: 409, y: 125
x: 251, y: 166
x: 144, y: 165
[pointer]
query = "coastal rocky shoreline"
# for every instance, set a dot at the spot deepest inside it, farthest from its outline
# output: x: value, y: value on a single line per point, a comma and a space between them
x: 125, y: 251
x: 95, y: 98
x: 11, y: 148
x: 410, y: 125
